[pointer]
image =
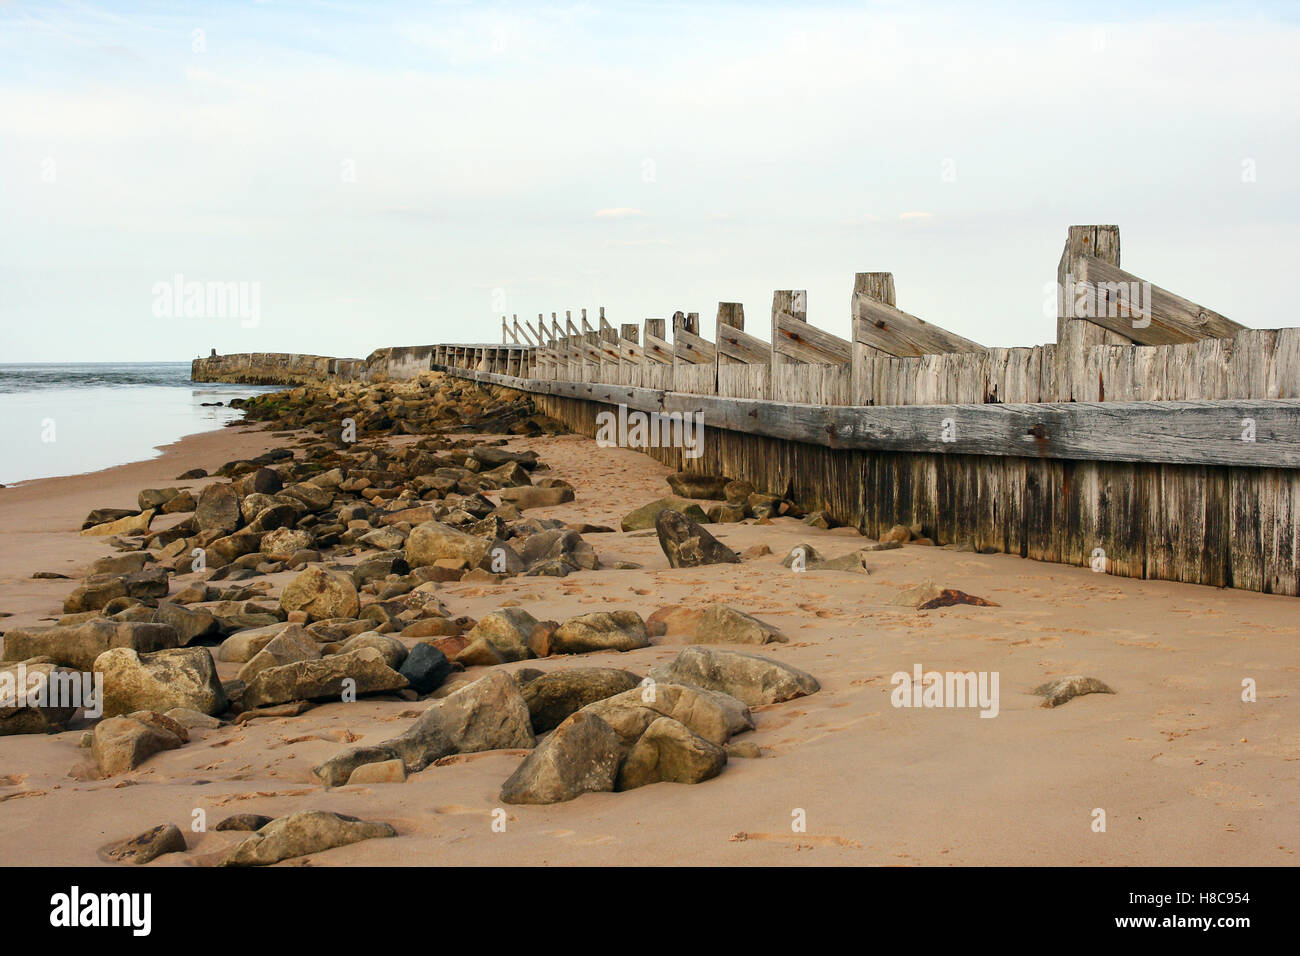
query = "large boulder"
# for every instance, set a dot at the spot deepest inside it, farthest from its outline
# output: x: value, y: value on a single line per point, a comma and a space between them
x: 218, y: 508
x: 77, y: 646
x: 688, y: 545
x: 509, y: 631
x: 688, y: 484
x: 149, y: 845
x: 600, y: 631
x: 300, y: 834
x: 321, y: 594
x: 190, y: 624
x: 552, y: 697
x: 281, y: 544
x: 644, y: 517
x: 434, y: 541
x: 426, y: 668
x: 531, y: 496
x: 177, y: 677
x: 749, y: 678
x: 119, y: 744
x: 242, y: 646
x: 721, y: 624
x: 581, y: 756
x: 714, y: 716
x: 669, y: 751
x: 323, y: 679
x: 132, y: 524
x: 489, y: 714
x: 34, y: 695
x: 291, y: 645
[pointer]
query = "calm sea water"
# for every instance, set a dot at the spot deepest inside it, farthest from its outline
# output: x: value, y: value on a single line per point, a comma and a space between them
x: 70, y: 419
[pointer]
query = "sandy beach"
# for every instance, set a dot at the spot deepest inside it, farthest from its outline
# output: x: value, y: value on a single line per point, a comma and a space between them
x: 1186, y: 771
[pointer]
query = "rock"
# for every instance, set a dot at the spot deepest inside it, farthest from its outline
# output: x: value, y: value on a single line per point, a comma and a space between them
x: 743, y: 749
x: 383, y: 539
x: 394, y: 651
x: 26, y: 693
x: 290, y: 645
x: 147, y: 846
x: 192, y: 719
x: 688, y: 484
x: 669, y: 752
x: 508, y: 630
x: 674, y: 619
x: 749, y: 678
x: 218, y: 508
x: 123, y: 743
x: 600, y: 631
x: 128, y: 563
x: 721, y: 624
x: 160, y: 680
x: 383, y: 771
x: 323, y: 679
x: 134, y: 524
x: 714, y: 716
x: 899, y: 532
x: 737, y: 492
x: 688, y: 545
x: 489, y: 714
x: 79, y: 645
x: 644, y: 517
x: 480, y: 653
x: 321, y: 593
x: 928, y: 596
x: 242, y: 646
x: 281, y: 544
x: 819, y: 519
x: 581, y: 756
x: 530, y: 496
x: 244, y: 822
x: 105, y: 515
x: 190, y: 624
x: 425, y: 668
x: 755, y: 551
x: 302, y: 833
x: 552, y: 697
x: 1063, y: 689
x: 759, y: 505
x: 433, y: 541
x: 726, y: 514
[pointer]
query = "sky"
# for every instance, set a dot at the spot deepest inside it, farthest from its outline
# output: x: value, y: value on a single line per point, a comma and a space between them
x: 358, y: 175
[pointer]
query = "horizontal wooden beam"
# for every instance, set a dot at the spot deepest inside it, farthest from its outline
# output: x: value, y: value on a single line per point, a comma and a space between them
x: 1258, y: 433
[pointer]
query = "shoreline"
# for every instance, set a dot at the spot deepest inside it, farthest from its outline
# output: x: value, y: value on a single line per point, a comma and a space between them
x: 1187, y: 772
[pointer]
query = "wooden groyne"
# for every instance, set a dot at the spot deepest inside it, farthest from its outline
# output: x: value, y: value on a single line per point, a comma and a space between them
x: 1155, y: 438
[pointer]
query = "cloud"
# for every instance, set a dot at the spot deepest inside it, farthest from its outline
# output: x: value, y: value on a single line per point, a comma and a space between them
x: 620, y: 212
x: 914, y: 216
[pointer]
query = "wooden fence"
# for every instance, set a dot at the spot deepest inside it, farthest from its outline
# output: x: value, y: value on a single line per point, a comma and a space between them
x: 1155, y: 435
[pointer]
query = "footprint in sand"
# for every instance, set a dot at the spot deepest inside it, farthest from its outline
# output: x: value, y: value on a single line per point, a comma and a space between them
x: 798, y: 840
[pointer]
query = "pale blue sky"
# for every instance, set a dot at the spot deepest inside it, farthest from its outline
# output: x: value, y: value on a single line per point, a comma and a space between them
x: 647, y: 157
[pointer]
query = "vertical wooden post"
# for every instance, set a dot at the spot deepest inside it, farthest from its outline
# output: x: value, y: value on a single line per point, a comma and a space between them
x: 878, y: 286
x: 1075, y: 336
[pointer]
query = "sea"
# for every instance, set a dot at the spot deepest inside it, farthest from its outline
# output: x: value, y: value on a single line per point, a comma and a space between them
x: 69, y: 419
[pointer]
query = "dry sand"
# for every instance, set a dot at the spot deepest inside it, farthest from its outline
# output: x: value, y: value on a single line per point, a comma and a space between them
x: 1186, y: 772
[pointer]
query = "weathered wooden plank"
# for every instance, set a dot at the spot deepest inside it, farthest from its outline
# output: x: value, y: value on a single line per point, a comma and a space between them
x: 1202, y: 433
x: 734, y: 345
x: 796, y: 338
x: 691, y: 348
x: 1134, y: 308
x: 892, y: 330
